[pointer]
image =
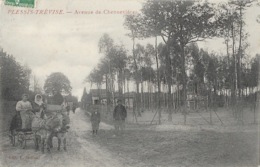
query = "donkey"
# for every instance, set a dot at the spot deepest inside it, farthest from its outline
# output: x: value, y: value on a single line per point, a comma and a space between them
x: 43, y: 127
x: 61, y: 133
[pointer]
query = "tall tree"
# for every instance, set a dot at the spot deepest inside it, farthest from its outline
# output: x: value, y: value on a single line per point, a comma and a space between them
x: 231, y: 27
x: 84, y: 98
x: 254, y: 72
x: 178, y: 23
x: 14, y: 78
x: 105, y: 44
x: 149, y: 71
x: 240, y: 6
x: 133, y: 23
x: 95, y: 77
x: 118, y: 58
x: 137, y: 62
x: 199, y: 61
x: 57, y: 81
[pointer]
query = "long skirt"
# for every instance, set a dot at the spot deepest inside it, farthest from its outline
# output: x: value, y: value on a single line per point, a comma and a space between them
x: 26, y: 117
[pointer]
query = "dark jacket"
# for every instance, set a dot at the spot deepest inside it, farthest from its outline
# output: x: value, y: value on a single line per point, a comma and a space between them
x: 95, y: 117
x: 120, y: 112
x: 57, y: 99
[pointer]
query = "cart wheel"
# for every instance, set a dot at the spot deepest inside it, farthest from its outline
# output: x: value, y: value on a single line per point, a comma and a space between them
x: 21, y: 139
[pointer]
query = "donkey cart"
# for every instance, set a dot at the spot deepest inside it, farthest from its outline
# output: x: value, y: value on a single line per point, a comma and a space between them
x: 17, y: 134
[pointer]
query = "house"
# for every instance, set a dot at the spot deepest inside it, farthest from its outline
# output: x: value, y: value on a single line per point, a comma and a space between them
x: 99, y: 96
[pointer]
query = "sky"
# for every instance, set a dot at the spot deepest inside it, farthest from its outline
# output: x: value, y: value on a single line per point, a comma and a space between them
x: 68, y: 43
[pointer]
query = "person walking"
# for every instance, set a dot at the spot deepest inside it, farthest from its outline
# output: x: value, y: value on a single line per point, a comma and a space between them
x: 119, y: 116
x: 24, y: 107
x: 74, y: 107
x: 95, y: 120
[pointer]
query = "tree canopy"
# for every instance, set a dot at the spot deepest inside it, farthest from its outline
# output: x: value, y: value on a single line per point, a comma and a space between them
x: 57, y: 81
x: 14, y: 77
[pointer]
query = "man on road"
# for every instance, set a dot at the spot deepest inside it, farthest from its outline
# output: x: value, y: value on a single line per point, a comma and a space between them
x: 119, y: 116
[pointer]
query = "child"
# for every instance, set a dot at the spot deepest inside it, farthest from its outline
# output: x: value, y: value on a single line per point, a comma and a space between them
x: 95, y: 120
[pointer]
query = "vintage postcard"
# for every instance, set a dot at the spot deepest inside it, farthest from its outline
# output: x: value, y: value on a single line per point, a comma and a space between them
x: 22, y: 3
x: 129, y: 83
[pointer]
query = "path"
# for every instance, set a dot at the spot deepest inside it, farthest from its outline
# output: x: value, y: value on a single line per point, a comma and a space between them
x: 81, y: 150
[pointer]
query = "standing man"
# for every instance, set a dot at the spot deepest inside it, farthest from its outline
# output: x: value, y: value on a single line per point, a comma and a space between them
x: 57, y: 98
x: 119, y: 116
x: 24, y: 107
x: 74, y: 107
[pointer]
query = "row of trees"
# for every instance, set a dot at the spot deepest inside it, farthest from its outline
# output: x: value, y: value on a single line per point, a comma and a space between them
x: 181, y: 23
x: 207, y: 71
x: 178, y: 61
x: 111, y: 68
x: 14, y: 77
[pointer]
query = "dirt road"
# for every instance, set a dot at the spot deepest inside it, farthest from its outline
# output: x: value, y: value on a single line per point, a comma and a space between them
x: 141, y: 146
x: 81, y: 150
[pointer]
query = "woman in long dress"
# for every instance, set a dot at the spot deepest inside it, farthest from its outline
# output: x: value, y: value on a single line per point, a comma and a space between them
x: 24, y: 107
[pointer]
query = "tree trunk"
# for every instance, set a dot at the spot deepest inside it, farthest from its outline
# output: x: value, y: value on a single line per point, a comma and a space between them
x: 170, y: 102
x: 137, y: 102
x: 138, y: 99
x: 184, y: 83
x: 150, y: 91
x: 234, y: 87
x: 158, y: 81
x: 107, y: 95
x: 142, y: 93
x: 128, y: 94
x: 211, y: 104
x: 239, y: 52
x: 120, y: 84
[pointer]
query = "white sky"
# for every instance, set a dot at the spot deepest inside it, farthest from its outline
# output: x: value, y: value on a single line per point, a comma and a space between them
x: 68, y: 43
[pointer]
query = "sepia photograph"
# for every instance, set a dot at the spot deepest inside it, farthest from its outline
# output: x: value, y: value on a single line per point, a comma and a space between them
x: 129, y: 83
